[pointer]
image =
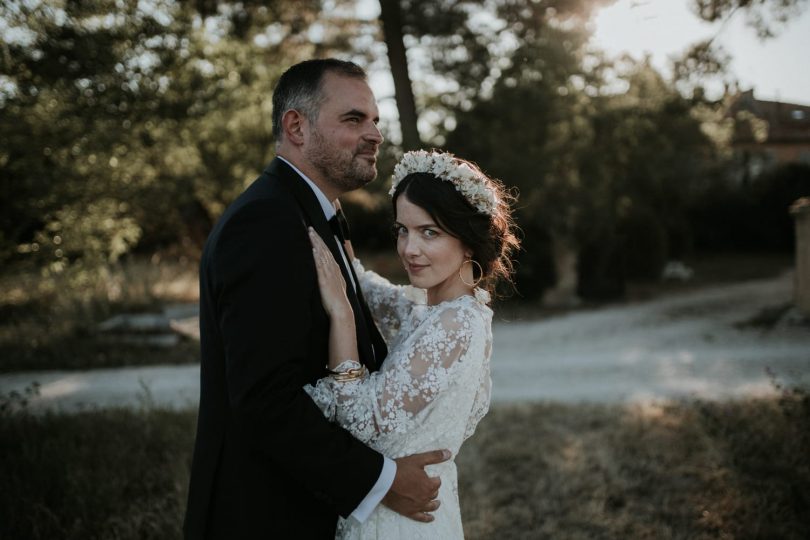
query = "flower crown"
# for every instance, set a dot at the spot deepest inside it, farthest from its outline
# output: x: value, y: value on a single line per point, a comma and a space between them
x: 472, y: 184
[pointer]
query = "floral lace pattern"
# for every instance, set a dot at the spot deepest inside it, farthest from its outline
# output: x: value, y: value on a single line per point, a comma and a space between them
x: 430, y: 393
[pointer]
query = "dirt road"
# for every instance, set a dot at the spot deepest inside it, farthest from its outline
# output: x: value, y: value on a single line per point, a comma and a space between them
x: 688, y: 345
x: 691, y: 345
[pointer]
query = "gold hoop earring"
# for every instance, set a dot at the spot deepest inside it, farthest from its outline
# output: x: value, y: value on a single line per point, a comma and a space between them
x: 480, y: 273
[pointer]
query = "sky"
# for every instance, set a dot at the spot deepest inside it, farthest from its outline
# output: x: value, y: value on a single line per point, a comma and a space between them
x: 777, y: 68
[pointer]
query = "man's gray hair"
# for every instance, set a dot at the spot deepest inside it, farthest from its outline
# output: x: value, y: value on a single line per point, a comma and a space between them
x: 300, y: 88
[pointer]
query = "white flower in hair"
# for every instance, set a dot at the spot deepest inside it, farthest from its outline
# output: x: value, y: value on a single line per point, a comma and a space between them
x: 472, y: 184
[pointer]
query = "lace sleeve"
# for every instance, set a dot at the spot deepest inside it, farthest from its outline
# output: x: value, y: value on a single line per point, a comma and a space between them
x: 411, y: 378
x: 481, y: 402
x: 389, y: 303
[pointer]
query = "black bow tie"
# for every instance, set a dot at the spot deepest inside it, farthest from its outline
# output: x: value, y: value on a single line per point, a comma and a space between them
x: 339, y: 226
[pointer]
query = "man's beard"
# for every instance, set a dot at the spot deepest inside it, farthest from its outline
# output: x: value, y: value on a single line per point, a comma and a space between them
x: 340, y: 167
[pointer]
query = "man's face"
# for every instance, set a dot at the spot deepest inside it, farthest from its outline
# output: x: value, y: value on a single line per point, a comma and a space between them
x: 344, y: 139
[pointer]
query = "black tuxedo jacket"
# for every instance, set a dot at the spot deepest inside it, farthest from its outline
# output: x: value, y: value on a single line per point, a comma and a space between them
x: 267, y: 464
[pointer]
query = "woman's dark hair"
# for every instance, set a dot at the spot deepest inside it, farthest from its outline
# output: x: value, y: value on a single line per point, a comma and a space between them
x: 490, y: 237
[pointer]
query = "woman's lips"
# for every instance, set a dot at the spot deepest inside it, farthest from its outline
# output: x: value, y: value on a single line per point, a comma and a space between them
x: 414, y: 268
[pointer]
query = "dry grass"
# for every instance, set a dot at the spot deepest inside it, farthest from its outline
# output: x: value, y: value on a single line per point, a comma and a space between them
x: 678, y: 471
x: 50, y: 322
x: 96, y: 475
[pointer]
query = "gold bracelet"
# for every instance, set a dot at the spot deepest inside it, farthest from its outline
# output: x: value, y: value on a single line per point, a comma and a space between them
x: 349, y: 374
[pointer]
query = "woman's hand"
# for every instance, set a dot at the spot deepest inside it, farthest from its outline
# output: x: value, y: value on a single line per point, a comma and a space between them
x: 330, y: 280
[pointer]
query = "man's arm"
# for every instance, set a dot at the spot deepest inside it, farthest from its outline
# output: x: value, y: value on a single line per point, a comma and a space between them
x: 378, y: 492
x: 414, y: 494
x: 267, y: 300
x: 405, y: 488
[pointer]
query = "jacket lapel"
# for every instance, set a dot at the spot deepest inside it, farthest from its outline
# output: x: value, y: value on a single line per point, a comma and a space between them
x: 370, y: 345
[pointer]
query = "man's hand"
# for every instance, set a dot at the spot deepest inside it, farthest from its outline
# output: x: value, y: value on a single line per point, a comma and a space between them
x: 413, y: 493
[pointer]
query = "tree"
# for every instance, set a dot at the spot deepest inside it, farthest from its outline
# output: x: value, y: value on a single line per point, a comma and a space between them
x: 391, y: 17
x: 125, y: 127
x: 604, y: 177
x: 765, y: 16
x: 529, y: 132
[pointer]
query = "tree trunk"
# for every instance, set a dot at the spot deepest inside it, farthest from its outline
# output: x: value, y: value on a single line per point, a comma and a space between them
x: 391, y: 18
x: 566, y: 262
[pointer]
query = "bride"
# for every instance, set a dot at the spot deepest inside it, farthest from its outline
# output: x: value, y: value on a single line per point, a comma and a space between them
x: 454, y: 237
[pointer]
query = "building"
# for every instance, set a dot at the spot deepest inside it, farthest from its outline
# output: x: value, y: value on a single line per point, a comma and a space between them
x: 769, y: 133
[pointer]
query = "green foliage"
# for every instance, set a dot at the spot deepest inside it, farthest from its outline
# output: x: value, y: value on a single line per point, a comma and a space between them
x: 727, y: 216
x: 610, y: 172
x: 774, y: 192
x: 696, y: 67
x: 644, y: 244
x: 128, y: 127
x: 131, y: 126
x: 765, y: 16
x: 613, y: 170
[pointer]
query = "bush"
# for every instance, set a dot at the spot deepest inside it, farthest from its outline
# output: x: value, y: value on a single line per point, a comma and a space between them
x: 602, y: 269
x: 644, y: 244
x: 750, y: 218
x: 534, y: 267
x: 773, y: 193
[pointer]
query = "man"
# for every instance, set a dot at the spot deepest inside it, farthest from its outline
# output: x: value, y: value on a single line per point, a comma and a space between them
x: 266, y: 462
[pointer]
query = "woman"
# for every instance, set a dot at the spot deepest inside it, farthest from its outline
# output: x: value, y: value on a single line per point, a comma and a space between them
x: 454, y: 237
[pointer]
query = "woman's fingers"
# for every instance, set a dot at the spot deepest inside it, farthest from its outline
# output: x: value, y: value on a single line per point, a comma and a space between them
x: 320, y: 250
x: 325, y: 264
x: 316, y: 241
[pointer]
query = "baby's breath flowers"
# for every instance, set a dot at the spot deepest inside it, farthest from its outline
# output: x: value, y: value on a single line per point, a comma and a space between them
x: 471, y: 183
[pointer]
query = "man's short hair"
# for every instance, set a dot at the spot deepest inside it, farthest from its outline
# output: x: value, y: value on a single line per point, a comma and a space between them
x: 299, y: 88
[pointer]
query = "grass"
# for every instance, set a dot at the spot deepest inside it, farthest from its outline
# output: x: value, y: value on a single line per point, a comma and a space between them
x: 688, y: 470
x: 50, y: 322
x: 683, y: 470
x: 96, y: 475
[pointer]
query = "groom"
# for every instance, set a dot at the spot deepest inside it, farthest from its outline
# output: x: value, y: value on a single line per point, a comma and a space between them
x: 267, y: 464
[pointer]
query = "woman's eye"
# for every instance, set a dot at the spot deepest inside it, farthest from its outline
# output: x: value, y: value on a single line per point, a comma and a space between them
x: 430, y: 233
x: 400, y: 231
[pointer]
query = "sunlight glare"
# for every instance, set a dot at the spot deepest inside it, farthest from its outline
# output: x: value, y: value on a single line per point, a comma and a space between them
x: 657, y: 28
x: 663, y: 29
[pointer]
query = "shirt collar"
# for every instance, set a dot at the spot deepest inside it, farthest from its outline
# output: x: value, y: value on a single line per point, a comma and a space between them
x: 326, y: 205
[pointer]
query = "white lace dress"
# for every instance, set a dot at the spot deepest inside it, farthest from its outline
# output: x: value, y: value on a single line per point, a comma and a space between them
x: 431, y: 392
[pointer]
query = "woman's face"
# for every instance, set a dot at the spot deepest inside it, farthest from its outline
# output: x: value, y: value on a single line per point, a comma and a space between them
x: 431, y: 256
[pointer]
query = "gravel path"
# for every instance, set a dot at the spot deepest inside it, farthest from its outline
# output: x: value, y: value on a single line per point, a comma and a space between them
x: 688, y: 345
